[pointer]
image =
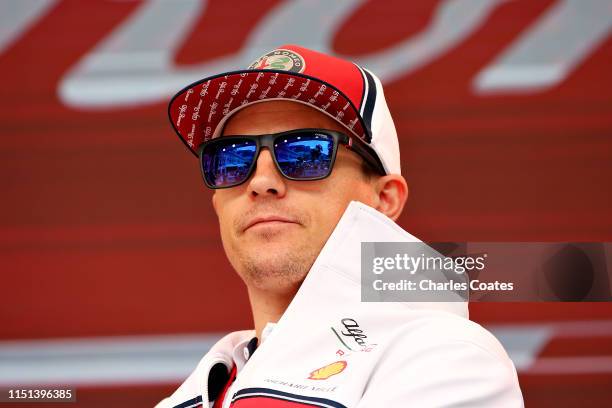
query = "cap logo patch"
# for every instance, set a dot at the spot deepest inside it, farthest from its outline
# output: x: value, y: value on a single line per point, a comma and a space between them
x: 281, y: 59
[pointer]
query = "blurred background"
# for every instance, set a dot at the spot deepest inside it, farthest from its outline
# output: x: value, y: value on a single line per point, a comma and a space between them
x: 113, y: 275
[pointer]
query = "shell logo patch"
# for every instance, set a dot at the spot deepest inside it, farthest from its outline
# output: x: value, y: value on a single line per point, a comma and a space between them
x: 285, y: 60
x: 327, y: 371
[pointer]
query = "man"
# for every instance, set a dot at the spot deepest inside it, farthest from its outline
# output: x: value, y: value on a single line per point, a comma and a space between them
x: 292, y: 222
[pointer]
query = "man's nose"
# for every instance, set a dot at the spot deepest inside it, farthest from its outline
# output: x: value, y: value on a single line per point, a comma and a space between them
x: 266, y: 180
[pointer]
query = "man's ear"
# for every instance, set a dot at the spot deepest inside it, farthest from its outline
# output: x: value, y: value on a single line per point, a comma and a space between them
x: 392, y: 191
x: 214, y: 202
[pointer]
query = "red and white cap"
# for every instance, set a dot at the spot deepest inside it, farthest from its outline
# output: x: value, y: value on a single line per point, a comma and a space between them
x: 341, y: 89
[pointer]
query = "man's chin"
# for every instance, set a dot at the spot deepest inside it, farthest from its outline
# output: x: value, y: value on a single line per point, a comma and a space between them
x: 265, y: 256
x: 274, y: 267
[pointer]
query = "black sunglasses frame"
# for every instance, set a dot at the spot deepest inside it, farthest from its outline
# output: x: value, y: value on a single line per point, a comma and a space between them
x: 268, y: 140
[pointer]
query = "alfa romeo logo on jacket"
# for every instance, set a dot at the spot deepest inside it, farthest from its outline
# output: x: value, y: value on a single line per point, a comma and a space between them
x: 281, y: 59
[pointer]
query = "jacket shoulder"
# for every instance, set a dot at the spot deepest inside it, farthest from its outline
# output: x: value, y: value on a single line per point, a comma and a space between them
x: 427, y: 329
x: 192, y: 391
x: 443, y: 360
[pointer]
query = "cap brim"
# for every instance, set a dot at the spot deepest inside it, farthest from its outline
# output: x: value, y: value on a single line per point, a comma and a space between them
x: 197, y: 111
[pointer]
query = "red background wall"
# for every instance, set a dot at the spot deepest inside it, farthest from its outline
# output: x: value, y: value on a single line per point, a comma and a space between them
x: 106, y: 228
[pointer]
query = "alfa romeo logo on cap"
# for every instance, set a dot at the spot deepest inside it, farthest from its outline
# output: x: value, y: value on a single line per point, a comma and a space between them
x: 281, y: 59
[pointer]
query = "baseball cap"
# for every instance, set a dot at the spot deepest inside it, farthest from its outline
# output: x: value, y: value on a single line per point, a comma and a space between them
x: 341, y: 89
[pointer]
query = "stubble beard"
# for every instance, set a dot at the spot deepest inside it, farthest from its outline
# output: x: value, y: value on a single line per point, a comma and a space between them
x: 269, y: 268
x: 268, y: 259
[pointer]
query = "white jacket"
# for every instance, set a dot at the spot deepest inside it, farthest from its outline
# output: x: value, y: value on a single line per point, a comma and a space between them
x: 329, y: 349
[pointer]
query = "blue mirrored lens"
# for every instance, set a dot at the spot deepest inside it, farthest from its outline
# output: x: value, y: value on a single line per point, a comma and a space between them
x: 304, y: 156
x: 227, y: 163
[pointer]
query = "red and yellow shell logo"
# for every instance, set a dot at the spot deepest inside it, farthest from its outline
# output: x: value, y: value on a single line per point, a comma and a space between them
x: 327, y: 371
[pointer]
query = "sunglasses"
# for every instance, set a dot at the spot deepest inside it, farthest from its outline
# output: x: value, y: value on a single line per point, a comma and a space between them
x: 301, y: 154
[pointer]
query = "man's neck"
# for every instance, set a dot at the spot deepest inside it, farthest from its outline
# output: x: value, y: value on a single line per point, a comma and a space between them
x: 267, y: 307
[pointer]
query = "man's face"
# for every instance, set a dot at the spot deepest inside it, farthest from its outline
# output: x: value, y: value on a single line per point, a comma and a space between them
x: 273, y: 228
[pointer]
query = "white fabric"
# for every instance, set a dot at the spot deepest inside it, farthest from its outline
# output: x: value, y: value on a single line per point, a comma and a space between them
x: 418, y: 354
x: 241, y: 353
x: 384, y: 136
